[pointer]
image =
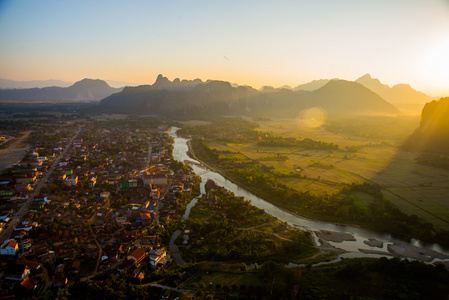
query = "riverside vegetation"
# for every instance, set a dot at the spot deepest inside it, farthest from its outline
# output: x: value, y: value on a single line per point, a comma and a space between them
x: 224, y: 227
x: 257, y: 161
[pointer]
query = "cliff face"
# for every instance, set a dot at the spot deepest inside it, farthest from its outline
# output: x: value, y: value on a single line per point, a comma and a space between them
x: 435, y: 117
x: 433, y: 132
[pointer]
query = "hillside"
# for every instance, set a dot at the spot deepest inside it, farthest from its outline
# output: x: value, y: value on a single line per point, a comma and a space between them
x: 86, y: 89
x: 433, y: 132
x: 195, y: 97
x: 341, y: 96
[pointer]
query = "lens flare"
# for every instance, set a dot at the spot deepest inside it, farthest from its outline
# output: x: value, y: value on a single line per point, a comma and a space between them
x: 313, y: 117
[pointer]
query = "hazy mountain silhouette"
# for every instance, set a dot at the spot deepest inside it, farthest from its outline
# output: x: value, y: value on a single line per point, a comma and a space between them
x: 86, y: 89
x: 400, y: 93
x: 343, y: 96
x: 312, y: 86
x: 433, y: 132
x: 12, y: 84
x: 121, y: 84
x: 195, y: 97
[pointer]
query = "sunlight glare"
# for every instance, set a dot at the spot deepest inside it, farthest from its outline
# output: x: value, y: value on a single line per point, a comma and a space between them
x: 437, y: 62
x: 312, y: 117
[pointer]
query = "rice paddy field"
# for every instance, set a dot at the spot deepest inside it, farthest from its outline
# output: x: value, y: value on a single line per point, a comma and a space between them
x: 416, y: 189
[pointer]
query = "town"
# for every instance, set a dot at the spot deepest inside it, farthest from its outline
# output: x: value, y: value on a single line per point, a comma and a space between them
x: 89, y: 199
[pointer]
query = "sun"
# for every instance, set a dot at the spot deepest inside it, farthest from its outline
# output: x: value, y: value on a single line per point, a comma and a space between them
x: 436, y: 64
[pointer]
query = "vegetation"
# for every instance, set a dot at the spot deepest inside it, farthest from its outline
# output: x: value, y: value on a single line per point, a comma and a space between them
x: 375, y: 127
x: 278, y: 141
x: 229, y: 130
x: 434, y: 160
x: 340, y: 206
x: 225, y: 227
x: 376, y: 279
x: 351, y: 278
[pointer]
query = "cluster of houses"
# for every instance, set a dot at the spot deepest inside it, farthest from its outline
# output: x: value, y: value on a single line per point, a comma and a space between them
x: 105, y: 196
x: 19, y: 182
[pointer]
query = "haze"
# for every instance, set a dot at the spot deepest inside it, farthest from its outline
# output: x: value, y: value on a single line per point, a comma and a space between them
x: 253, y: 42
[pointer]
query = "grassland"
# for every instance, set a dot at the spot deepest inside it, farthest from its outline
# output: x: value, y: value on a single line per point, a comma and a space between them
x: 414, y: 188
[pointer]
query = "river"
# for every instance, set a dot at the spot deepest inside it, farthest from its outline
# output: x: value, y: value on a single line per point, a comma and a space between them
x: 360, y: 235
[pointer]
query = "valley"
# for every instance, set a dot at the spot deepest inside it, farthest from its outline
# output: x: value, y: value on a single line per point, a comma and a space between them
x: 415, y: 189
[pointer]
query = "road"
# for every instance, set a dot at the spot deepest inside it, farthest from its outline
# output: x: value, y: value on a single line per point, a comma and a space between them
x: 4, y: 235
x: 165, y: 287
x: 100, y: 250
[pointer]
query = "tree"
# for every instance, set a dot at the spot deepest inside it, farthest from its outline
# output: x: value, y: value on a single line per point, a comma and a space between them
x: 63, y: 293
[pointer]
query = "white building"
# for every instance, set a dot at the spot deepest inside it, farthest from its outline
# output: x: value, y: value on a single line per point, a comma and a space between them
x: 10, y: 247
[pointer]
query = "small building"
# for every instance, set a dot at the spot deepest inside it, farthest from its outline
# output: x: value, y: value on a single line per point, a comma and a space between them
x: 32, y: 265
x: 10, y: 248
x: 29, y: 283
x: 125, y: 265
x: 20, y: 188
x: 17, y: 272
x: 137, y: 255
x: 92, y: 181
x: 75, y: 268
x: 158, y: 257
x: 72, y: 180
x: 146, y: 218
x: 155, y: 193
x: 6, y: 193
x: 154, y: 178
x: 59, y: 271
x: 105, y: 195
x: 67, y: 172
x: 60, y: 282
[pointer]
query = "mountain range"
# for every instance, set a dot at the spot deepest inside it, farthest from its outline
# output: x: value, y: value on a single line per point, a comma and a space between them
x: 399, y: 93
x: 312, y: 86
x: 86, y: 89
x: 196, y: 97
x: 12, y: 84
x: 7, y: 84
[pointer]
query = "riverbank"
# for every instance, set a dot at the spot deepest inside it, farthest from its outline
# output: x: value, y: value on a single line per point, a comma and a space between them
x: 417, y: 253
x: 325, y: 236
x: 367, y: 241
x: 191, y: 154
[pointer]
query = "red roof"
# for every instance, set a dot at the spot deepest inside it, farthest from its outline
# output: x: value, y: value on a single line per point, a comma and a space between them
x: 12, y: 243
x: 30, y: 264
x: 146, y: 216
x: 138, y: 254
x: 29, y: 283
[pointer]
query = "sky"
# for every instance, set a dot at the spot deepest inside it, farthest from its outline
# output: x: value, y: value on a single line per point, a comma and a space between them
x: 252, y: 43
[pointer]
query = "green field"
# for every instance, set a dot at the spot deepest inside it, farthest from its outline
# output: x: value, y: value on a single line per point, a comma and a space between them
x: 416, y: 189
